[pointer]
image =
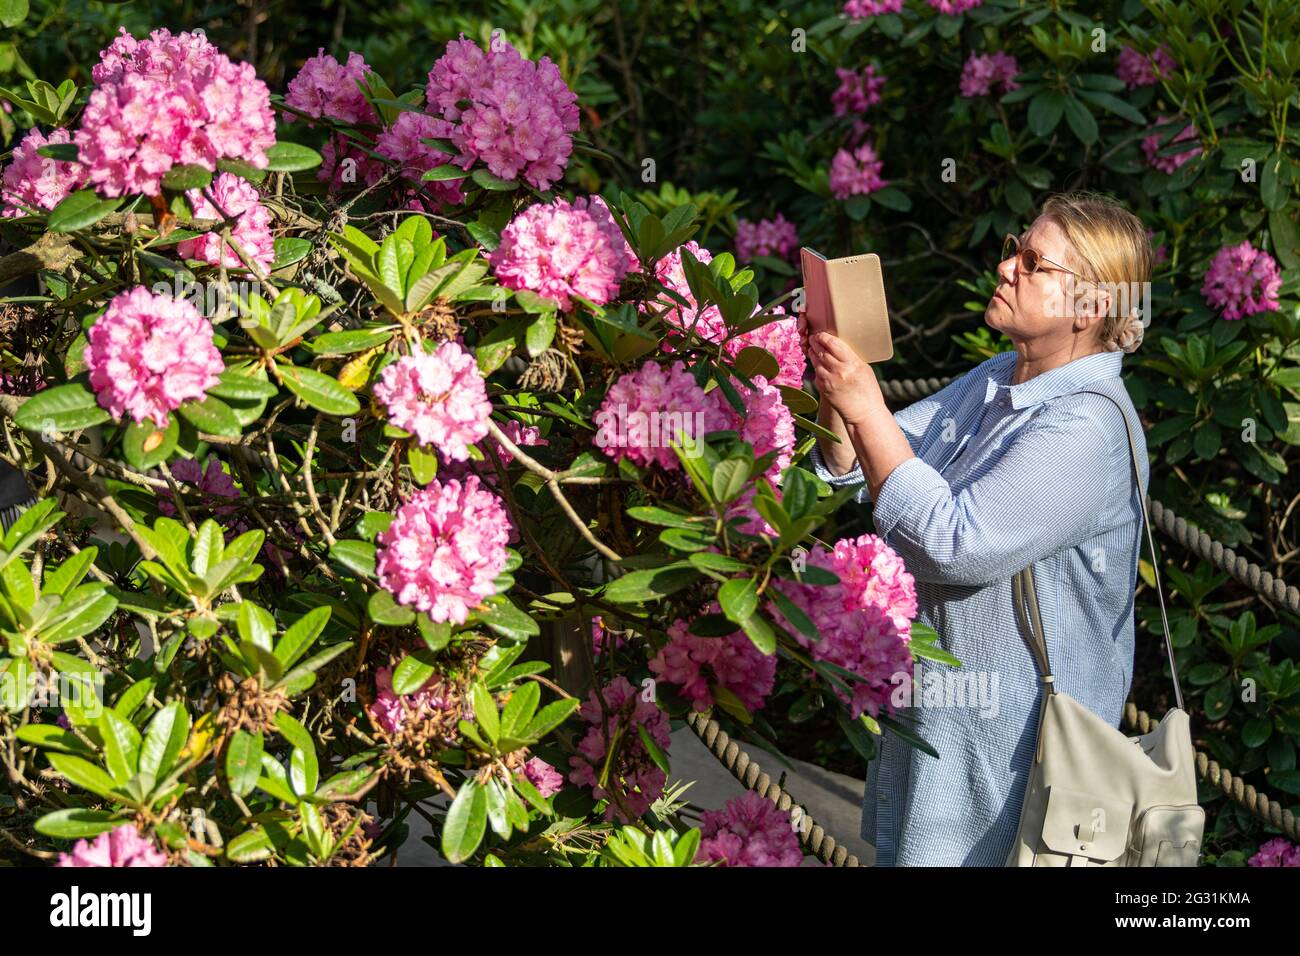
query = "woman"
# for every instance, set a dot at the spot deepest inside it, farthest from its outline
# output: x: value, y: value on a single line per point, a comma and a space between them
x: 1010, y: 464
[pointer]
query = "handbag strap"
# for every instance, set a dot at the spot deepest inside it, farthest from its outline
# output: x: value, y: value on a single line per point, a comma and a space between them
x: 1025, y: 594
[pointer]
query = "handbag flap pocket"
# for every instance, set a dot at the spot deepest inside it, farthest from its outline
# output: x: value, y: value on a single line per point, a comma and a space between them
x: 1085, y: 824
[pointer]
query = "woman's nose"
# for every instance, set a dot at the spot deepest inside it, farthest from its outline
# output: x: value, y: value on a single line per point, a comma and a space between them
x: 1007, y: 270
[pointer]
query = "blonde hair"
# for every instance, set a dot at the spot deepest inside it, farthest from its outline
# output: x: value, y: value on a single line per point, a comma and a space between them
x: 1111, y: 246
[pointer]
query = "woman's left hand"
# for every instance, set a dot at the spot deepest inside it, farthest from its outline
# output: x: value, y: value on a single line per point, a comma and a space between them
x: 843, y: 379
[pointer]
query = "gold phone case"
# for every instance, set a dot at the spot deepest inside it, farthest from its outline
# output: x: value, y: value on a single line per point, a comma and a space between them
x: 847, y: 298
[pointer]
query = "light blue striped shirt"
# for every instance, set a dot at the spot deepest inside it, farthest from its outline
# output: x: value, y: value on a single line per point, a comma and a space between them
x: 1005, y: 475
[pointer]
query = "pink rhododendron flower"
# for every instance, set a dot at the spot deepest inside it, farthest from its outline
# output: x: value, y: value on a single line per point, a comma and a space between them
x: 982, y: 71
x: 706, y: 323
x: 391, y: 710
x: 858, y: 90
x: 644, y: 410
x: 558, y: 249
x: 35, y: 180
x: 856, y: 173
x: 865, y: 620
x: 543, y: 776
x: 1278, y: 851
x: 1152, y: 144
x: 1160, y: 253
x: 520, y: 117
x: 327, y: 89
x: 1137, y: 69
x: 781, y: 340
x: 149, y: 354
x: 235, y: 196
x: 634, y: 779
x: 123, y: 846
x: 857, y: 9
x: 767, y: 424
x: 403, y: 142
x: 748, y: 831
x: 777, y: 238
x: 345, y: 163
x: 953, y: 7
x: 168, y: 101
x: 440, y: 397
x: 733, y: 663
x: 1241, y: 281
x: 444, y: 549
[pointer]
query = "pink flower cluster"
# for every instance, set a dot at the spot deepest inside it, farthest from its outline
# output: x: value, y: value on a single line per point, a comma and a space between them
x: 235, y: 197
x: 643, y: 410
x: 858, y: 9
x: 1278, y: 851
x: 858, y: 90
x: 953, y: 7
x: 1137, y: 69
x: 767, y: 424
x: 983, y: 71
x: 123, y: 846
x: 1168, y: 163
x: 865, y: 620
x: 777, y: 238
x: 440, y: 397
x: 543, y: 776
x: 1241, y: 281
x: 149, y: 354
x: 696, y: 663
x: 444, y: 549
x: 635, y: 781
x: 392, y: 710
x: 327, y: 89
x: 402, y: 142
x: 856, y: 172
x: 780, y: 339
x: 748, y: 831
x: 520, y: 117
x: 558, y: 249
x: 34, y: 180
x: 166, y: 101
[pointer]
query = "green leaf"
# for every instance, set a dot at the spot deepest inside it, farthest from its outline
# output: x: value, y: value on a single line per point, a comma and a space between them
x: 729, y: 479
x: 79, y: 210
x: 739, y: 598
x: 164, y: 740
x: 145, y: 445
x: 357, y: 556
x: 651, y: 584
x: 1081, y: 121
x: 291, y: 158
x: 501, y: 615
x: 424, y: 464
x: 354, y: 340
x: 385, y: 611
x: 488, y: 181
x: 186, y: 177
x: 213, y: 416
x: 84, y: 774
x: 539, y: 334
x: 77, y: 823
x: 466, y: 823
x: 289, y: 250
x: 319, y: 391
x: 412, y: 673
x: 64, y: 408
x: 244, y: 762
x: 1274, y: 182
x: 12, y: 13
x: 519, y: 710
x: 485, y: 712
x: 1045, y: 111
x: 121, y: 746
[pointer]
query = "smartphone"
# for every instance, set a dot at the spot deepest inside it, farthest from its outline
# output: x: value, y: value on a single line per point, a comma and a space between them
x: 847, y: 298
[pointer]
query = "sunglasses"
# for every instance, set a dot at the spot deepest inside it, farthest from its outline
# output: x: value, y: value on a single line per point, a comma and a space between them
x: 1028, y: 261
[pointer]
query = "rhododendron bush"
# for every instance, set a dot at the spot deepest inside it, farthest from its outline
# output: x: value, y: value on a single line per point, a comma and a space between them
x: 297, y: 544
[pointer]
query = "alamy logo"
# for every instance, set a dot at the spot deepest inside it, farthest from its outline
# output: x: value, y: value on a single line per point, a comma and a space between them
x: 617, y: 427
x: 75, y: 909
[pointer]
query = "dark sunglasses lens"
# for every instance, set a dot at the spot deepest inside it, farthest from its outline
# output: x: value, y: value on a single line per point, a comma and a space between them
x: 1029, y: 259
x: 1008, y: 248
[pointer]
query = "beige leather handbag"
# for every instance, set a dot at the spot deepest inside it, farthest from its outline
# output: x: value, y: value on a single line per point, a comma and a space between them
x: 1096, y: 797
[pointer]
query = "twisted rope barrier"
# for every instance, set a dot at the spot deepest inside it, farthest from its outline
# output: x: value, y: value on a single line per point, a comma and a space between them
x: 824, y: 847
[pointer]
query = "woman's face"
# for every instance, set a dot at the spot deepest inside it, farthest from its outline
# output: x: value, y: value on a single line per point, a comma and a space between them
x: 1032, y: 306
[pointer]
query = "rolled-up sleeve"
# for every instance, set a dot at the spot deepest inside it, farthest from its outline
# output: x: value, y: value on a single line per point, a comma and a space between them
x: 1045, y: 492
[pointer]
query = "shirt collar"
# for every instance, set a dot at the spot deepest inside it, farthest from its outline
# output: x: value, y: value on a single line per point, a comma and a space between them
x: 1062, y: 380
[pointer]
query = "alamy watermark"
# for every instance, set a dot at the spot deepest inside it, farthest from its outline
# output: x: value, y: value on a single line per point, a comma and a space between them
x: 619, y: 428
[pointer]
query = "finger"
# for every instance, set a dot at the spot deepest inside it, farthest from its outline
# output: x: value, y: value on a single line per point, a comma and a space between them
x: 835, y: 346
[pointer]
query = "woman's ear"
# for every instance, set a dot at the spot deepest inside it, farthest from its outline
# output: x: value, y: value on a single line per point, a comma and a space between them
x: 1092, y: 305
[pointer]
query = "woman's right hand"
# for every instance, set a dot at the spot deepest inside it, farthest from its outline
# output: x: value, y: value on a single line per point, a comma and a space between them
x: 802, y: 325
